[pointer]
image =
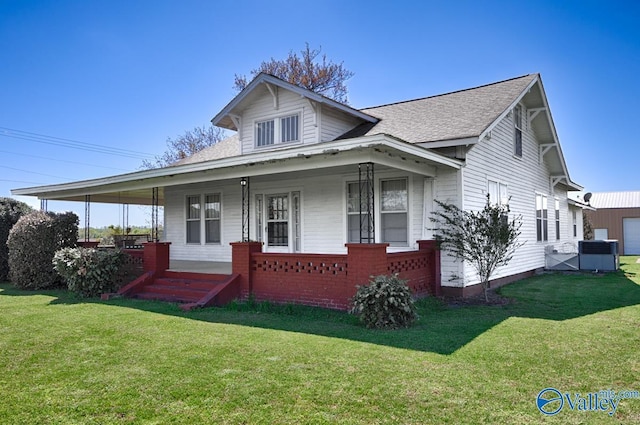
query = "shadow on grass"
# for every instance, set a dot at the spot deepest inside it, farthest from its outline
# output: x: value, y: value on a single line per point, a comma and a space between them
x: 441, y: 329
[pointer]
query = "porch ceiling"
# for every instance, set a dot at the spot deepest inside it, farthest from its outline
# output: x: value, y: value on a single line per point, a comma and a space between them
x: 322, y: 158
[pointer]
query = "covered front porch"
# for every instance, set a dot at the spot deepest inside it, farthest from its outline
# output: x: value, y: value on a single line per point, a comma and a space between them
x: 303, y: 212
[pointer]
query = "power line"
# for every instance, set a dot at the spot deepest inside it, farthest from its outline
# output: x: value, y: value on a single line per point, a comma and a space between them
x: 73, y: 144
x: 33, y: 172
x: 20, y: 181
x: 62, y: 160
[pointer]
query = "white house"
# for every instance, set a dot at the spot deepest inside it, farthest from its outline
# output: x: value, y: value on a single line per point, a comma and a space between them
x: 304, y: 174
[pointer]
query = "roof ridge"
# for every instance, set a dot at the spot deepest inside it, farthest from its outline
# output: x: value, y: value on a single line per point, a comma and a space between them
x: 446, y: 94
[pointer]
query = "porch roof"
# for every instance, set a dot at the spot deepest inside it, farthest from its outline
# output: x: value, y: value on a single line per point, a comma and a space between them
x: 136, y: 187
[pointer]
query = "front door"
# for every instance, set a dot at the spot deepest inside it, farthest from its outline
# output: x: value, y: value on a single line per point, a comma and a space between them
x: 281, y: 221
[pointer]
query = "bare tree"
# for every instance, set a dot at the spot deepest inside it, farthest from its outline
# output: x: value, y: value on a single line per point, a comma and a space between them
x: 485, y: 239
x: 310, y: 70
x: 187, y: 144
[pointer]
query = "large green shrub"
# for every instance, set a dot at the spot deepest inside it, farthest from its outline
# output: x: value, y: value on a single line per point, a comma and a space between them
x: 386, y: 303
x: 10, y: 212
x: 90, y: 272
x: 33, y: 241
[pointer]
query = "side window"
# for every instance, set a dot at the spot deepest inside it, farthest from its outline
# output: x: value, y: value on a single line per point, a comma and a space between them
x: 498, y: 193
x: 393, y: 212
x: 542, y: 232
x: 517, y: 130
x: 557, y: 217
x: 212, y: 218
x: 193, y: 219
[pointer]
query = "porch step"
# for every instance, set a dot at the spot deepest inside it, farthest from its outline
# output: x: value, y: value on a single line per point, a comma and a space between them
x: 180, y: 290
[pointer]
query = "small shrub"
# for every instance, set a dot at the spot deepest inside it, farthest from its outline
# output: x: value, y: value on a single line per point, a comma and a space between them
x: 10, y: 212
x: 90, y: 272
x: 386, y: 303
x: 32, y: 243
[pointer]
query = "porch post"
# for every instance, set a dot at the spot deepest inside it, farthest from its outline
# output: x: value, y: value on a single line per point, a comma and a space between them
x: 154, y: 218
x: 43, y: 205
x: 366, y: 260
x: 87, y: 212
x: 432, y: 251
x: 246, y: 203
x: 241, y: 263
x: 367, y: 203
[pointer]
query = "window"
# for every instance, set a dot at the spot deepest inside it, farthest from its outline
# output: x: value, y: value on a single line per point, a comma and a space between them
x: 259, y: 218
x: 264, y: 133
x: 393, y: 212
x: 212, y: 218
x: 557, y: 219
x: 541, y: 218
x: 353, y: 212
x: 280, y: 130
x: 498, y: 193
x: 193, y: 219
x: 289, y: 129
x: 517, y: 133
x: 575, y: 223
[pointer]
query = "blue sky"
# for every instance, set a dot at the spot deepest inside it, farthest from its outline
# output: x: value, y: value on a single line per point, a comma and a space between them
x: 129, y: 74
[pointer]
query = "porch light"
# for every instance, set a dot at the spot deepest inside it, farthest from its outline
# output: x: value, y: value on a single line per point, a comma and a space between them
x: 243, y: 181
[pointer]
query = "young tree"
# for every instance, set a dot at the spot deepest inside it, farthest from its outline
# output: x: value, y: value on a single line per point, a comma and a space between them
x: 186, y: 145
x: 309, y: 70
x: 486, y: 239
x: 587, y: 226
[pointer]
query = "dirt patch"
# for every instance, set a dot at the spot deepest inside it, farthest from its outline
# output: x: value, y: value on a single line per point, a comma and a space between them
x: 494, y: 299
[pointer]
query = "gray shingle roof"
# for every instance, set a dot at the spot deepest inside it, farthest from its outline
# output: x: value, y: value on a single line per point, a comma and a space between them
x: 457, y: 115
x: 615, y: 200
x: 223, y: 149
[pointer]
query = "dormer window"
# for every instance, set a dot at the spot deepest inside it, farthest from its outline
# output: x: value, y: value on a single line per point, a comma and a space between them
x: 279, y: 130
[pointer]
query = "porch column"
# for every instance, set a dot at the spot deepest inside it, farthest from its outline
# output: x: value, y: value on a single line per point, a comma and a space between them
x: 366, y: 184
x: 154, y: 218
x: 433, y: 252
x: 87, y: 211
x: 241, y: 263
x: 366, y: 260
x: 155, y: 256
x: 246, y: 204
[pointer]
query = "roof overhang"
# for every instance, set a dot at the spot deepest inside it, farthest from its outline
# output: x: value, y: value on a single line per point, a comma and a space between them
x: 224, y: 117
x: 580, y: 204
x: 135, y: 188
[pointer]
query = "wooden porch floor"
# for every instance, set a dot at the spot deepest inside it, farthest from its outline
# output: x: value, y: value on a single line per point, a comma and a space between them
x: 210, y: 267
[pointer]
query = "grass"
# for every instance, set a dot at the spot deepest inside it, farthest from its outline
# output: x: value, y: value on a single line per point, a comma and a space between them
x: 65, y: 360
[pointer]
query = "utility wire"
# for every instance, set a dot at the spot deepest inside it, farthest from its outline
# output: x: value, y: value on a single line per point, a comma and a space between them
x: 62, y: 160
x: 20, y: 181
x: 33, y: 172
x: 73, y: 144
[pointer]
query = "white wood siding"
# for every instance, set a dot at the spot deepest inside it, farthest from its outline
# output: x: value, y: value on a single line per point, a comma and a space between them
x: 335, y: 124
x: 494, y: 159
x: 323, y: 212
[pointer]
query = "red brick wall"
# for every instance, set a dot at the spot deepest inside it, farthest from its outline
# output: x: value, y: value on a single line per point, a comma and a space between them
x: 310, y: 279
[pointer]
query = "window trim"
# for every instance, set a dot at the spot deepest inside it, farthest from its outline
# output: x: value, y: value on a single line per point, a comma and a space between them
x: 278, y: 129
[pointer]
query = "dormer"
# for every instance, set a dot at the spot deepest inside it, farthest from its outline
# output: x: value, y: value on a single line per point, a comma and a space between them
x: 271, y: 114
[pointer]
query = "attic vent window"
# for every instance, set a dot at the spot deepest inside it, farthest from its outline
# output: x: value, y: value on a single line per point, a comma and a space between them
x: 517, y: 134
x: 279, y: 130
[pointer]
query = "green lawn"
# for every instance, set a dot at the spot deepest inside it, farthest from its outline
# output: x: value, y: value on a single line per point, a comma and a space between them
x: 64, y: 360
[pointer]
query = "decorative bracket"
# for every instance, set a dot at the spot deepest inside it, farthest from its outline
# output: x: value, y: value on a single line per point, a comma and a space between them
x: 314, y: 108
x: 555, y: 180
x: 274, y: 93
x: 544, y: 148
x: 533, y: 112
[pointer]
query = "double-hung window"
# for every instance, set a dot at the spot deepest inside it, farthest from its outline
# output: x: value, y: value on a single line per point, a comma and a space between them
x: 212, y: 218
x: 193, y: 218
x: 575, y: 223
x: 557, y: 217
x: 394, y: 212
x: 517, y: 130
x: 542, y: 233
x: 498, y: 193
x: 353, y: 212
x: 279, y: 130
